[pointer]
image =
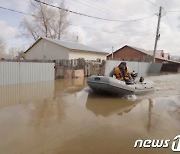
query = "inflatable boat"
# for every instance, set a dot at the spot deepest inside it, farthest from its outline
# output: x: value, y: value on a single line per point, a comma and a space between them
x: 112, y: 85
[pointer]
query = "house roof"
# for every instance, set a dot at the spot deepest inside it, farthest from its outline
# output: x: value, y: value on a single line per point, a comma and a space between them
x: 142, y: 50
x: 138, y: 49
x: 70, y: 45
x: 166, y: 55
x: 147, y: 52
x: 150, y: 52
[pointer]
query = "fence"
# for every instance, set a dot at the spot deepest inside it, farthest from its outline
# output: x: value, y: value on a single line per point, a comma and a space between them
x: 143, y: 68
x: 78, y: 68
x: 16, y: 72
x: 171, y: 67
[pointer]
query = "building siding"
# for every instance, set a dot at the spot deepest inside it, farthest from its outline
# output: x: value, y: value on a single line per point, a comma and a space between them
x: 128, y: 53
x: 55, y: 52
x: 47, y: 50
x: 86, y: 55
x: 36, y: 52
x: 132, y: 54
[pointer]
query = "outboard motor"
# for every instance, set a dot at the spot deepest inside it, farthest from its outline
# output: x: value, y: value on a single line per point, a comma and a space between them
x: 141, y: 79
x: 134, y: 75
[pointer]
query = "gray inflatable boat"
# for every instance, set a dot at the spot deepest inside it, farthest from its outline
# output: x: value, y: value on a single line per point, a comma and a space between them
x: 112, y: 85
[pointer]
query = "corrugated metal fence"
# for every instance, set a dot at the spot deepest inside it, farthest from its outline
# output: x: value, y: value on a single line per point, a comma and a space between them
x: 142, y: 68
x: 12, y: 72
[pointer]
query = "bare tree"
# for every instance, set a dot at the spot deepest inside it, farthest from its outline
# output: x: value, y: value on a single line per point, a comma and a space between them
x: 45, y: 22
x: 61, y: 23
x: 2, y: 45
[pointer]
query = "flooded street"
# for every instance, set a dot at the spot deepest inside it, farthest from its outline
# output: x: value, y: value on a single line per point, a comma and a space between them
x: 65, y: 117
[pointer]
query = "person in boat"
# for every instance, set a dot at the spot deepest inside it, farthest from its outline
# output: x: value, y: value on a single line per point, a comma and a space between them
x: 121, y: 72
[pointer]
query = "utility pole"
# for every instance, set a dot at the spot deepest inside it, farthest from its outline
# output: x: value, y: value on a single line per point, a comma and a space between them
x: 157, y: 33
x: 112, y: 52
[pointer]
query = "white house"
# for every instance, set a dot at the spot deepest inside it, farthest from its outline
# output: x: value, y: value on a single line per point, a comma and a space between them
x: 51, y: 49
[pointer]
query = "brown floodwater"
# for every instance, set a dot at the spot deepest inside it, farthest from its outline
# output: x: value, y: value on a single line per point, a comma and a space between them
x: 65, y: 117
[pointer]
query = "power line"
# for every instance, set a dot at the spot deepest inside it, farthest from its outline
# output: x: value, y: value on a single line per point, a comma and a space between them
x: 173, y: 33
x: 89, y: 4
x: 110, y: 8
x: 85, y: 14
x: 72, y: 23
x: 88, y: 28
x: 79, y: 14
x: 161, y: 2
x: 92, y: 8
x: 16, y: 11
x: 74, y: 11
x: 36, y: 16
x: 169, y: 23
x: 86, y: 3
x: 96, y: 29
x: 153, y: 3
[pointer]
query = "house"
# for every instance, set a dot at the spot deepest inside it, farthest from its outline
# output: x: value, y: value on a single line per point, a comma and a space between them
x: 131, y: 53
x: 51, y: 49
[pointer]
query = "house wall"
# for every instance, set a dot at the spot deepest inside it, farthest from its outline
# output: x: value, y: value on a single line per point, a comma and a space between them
x: 36, y: 52
x: 74, y: 54
x: 159, y: 60
x: 51, y: 51
x: 128, y: 53
x: 47, y: 50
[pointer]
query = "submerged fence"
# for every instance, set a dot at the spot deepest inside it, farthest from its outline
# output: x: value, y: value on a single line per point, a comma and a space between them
x: 16, y: 72
x: 78, y: 68
x: 29, y: 71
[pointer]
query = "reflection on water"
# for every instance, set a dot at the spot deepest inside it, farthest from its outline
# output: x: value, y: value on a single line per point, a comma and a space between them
x: 35, y: 92
x: 25, y: 93
x: 103, y: 105
x: 66, y: 117
x: 149, y: 114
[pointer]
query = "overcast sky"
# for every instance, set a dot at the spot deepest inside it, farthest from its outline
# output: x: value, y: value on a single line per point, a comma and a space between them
x: 140, y: 33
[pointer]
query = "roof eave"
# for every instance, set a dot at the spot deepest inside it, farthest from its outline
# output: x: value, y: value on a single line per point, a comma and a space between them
x: 89, y: 51
x: 33, y: 44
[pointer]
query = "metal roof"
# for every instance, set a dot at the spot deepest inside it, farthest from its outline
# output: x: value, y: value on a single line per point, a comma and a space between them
x: 74, y: 46
x: 150, y: 52
x: 142, y: 50
x: 147, y: 52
